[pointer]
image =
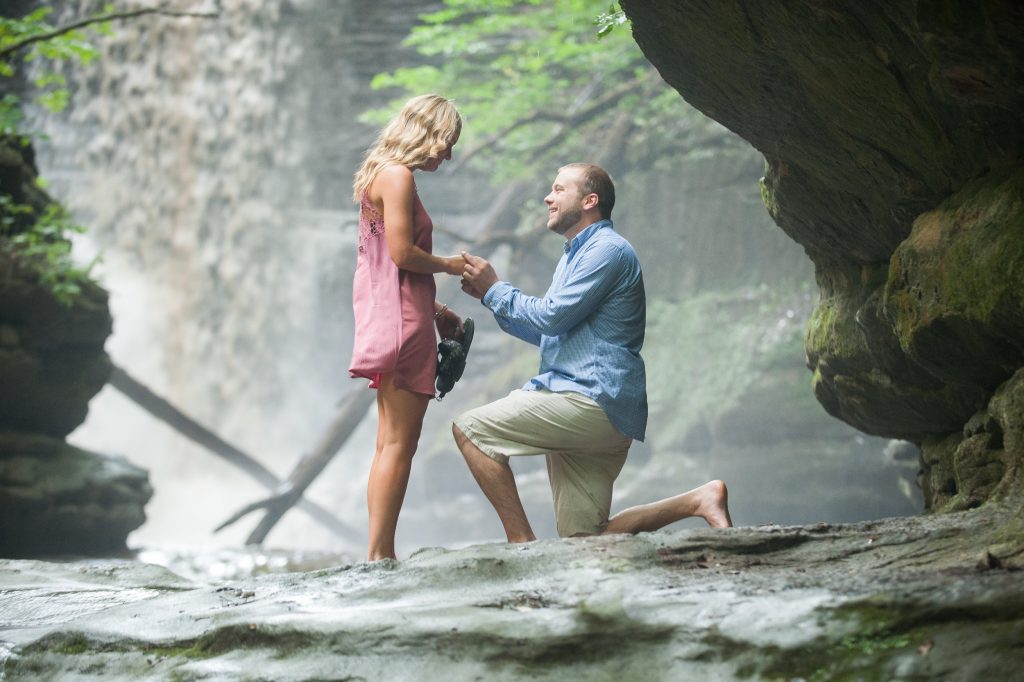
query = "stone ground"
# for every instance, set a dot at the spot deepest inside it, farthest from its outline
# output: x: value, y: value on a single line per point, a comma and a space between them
x: 930, y: 597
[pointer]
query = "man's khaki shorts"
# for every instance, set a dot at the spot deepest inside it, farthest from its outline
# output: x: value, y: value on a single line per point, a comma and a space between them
x: 584, y: 451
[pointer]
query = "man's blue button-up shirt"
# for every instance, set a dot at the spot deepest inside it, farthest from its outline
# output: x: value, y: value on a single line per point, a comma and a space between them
x: 589, y: 325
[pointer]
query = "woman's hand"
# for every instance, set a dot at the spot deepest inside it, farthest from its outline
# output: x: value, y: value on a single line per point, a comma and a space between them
x: 454, y: 265
x: 449, y: 325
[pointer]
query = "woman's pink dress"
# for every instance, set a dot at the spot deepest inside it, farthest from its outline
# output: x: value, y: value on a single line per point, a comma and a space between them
x: 394, y: 309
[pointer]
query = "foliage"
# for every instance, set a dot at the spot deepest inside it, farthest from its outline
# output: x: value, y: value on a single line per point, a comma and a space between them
x: 544, y: 83
x: 46, y: 244
x: 704, y: 352
x: 607, y: 21
x: 50, y: 84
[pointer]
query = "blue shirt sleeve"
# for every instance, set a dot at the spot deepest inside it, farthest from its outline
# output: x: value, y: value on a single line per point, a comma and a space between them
x: 584, y: 284
x: 498, y: 292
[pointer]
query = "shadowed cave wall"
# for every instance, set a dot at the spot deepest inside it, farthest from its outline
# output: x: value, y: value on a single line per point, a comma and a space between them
x: 893, y: 139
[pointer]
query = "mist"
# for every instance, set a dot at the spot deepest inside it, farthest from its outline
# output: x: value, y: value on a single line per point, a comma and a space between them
x: 212, y: 163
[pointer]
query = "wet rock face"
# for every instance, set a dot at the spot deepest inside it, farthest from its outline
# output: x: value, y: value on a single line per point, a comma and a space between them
x: 953, y: 292
x: 60, y: 499
x: 55, y: 498
x: 964, y: 469
x: 893, y: 136
x: 898, y: 599
x: 869, y: 113
x: 51, y: 355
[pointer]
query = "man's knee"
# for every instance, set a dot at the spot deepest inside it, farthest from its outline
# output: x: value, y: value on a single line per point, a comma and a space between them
x: 460, y: 438
x: 464, y: 444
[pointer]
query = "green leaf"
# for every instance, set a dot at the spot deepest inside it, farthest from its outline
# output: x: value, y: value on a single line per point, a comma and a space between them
x: 608, y: 21
x: 525, y: 73
x: 55, y: 100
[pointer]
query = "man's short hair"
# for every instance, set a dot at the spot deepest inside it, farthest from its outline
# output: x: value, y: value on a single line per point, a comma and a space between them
x: 595, y: 180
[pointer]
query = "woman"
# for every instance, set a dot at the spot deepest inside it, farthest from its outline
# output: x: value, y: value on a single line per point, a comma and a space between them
x: 393, y: 298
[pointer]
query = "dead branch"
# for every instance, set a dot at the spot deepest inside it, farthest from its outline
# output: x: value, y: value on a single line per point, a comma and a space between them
x: 350, y: 414
x: 610, y: 146
x: 99, y: 19
x: 602, y: 104
x: 183, y: 424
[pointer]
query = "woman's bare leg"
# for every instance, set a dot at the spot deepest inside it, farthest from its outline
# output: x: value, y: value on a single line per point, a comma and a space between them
x: 400, y: 419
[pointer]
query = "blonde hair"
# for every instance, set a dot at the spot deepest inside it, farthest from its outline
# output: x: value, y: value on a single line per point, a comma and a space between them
x: 421, y: 131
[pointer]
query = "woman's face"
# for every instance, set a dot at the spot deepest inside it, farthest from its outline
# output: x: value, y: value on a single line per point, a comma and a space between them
x: 434, y: 163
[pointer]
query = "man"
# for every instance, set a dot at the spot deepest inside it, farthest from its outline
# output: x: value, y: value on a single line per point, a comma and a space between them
x: 590, y: 399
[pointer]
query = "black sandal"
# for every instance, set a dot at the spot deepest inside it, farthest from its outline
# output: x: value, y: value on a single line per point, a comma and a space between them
x: 451, y: 358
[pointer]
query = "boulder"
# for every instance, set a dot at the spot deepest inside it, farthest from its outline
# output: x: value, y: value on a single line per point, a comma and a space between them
x: 984, y: 460
x: 59, y: 499
x: 51, y: 355
x: 56, y: 499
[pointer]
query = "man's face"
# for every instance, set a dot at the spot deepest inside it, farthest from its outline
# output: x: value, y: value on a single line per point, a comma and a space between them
x: 565, y: 205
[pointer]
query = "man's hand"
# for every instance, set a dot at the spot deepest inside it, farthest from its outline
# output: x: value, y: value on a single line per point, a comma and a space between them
x: 477, y: 276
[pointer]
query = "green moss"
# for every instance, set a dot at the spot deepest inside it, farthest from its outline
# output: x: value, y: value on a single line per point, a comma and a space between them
x: 873, y: 643
x: 865, y: 639
x: 875, y: 637
x: 768, y: 199
x: 984, y: 267
x: 834, y: 335
x: 964, y: 259
x: 821, y: 328
x: 903, y: 308
x: 283, y: 643
x: 832, y: 331
x: 78, y: 644
x: 74, y: 644
x: 863, y: 653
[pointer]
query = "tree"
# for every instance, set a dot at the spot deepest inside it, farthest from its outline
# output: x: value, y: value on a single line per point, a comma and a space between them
x: 34, y: 229
x: 544, y: 82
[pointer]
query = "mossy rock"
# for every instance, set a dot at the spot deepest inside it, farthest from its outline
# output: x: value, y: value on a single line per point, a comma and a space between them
x: 894, y: 140
x: 52, y: 356
x: 62, y: 500
x: 956, y: 286
x: 51, y: 352
x: 983, y: 462
x: 862, y: 374
x: 18, y: 182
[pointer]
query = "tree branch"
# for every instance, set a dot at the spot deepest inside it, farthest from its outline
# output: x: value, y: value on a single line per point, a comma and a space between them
x: 142, y: 396
x: 603, y: 103
x: 99, y: 19
x: 350, y: 414
x: 611, y: 145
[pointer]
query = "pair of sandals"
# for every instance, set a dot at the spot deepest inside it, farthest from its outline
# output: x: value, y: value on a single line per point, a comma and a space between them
x: 451, y: 358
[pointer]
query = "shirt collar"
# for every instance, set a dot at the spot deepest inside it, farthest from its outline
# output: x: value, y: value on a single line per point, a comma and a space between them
x: 571, y: 247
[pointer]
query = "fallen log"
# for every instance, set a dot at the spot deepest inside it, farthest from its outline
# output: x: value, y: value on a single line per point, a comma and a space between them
x: 142, y: 396
x: 350, y: 414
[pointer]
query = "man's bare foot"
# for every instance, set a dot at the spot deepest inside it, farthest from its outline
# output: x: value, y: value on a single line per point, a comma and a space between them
x: 714, y: 504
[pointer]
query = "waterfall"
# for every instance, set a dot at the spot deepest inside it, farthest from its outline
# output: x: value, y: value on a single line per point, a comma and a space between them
x: 211, y: 161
